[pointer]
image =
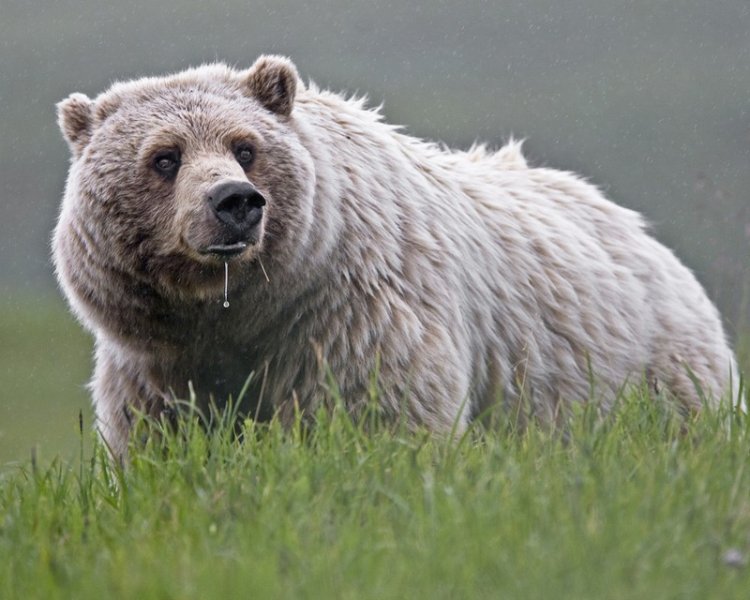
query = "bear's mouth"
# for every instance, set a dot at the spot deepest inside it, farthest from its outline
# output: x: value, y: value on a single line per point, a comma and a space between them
x: 225, y: 250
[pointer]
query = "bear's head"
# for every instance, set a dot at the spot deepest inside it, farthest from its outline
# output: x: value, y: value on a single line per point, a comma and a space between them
x: 173, y: 176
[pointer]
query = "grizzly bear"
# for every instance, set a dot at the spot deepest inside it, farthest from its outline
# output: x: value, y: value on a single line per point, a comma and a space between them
x: 220, y: 223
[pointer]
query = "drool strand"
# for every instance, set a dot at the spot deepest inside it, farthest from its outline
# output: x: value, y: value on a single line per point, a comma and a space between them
x: 226, y: 284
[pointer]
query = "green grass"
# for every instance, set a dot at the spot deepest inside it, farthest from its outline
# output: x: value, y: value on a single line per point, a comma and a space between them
x: 636, y: 506
x: 44, y: 365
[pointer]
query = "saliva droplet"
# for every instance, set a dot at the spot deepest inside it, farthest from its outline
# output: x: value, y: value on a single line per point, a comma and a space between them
x: 226, y: 284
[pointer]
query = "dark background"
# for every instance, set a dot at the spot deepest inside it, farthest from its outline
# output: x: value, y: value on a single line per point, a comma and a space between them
x: 649, y: 100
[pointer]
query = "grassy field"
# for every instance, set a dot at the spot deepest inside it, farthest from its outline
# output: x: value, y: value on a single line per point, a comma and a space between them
x: 635, y: 506
x: 44, y: 365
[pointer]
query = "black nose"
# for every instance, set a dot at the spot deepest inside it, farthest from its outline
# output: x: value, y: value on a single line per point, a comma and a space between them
x: 236, y: 203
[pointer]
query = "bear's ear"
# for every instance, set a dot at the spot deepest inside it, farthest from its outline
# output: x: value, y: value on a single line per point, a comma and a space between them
x: 272, y: 80
x: 74, y: 115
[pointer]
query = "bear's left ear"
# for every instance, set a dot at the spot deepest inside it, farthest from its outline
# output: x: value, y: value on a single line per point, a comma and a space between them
x: 74, y: 114
x: 272, y: 80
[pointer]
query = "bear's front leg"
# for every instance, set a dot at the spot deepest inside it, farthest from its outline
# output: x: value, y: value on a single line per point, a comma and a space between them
x: 121, y: 389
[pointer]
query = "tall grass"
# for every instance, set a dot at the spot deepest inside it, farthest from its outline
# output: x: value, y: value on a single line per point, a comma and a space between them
x: 638, y: 505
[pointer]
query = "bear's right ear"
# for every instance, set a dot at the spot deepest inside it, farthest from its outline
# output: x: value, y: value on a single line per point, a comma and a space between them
x: 272, y: 80
x: 75, y: 116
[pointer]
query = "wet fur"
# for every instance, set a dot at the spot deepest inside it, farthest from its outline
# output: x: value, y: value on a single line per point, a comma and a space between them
x: 463, y: 278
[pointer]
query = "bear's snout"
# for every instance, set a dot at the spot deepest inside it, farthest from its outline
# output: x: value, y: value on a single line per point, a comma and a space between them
x: 234, y: 208
x: 236, y: 204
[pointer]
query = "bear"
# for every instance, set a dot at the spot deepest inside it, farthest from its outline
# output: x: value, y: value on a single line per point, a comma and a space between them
x: 222, y: 224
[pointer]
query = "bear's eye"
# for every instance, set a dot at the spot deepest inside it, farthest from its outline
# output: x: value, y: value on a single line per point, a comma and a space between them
x: 167, y: 163
x: 244, y: 154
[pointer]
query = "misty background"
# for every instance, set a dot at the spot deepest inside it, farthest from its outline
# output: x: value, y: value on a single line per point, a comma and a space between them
x: 649, y: 100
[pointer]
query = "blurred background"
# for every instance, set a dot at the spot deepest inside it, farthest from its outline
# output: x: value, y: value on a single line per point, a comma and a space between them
x: 649, y: 100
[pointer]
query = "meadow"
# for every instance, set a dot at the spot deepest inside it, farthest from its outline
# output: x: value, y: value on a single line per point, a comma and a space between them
x: 641, y: 504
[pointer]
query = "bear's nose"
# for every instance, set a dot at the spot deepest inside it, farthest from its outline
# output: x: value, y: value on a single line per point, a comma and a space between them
x: 236, y: 203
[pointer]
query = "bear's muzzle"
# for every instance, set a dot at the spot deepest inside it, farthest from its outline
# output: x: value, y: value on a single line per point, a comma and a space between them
x: 238, y: 207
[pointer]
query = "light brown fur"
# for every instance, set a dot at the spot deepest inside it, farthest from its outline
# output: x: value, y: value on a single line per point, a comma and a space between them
x: 462, y: 277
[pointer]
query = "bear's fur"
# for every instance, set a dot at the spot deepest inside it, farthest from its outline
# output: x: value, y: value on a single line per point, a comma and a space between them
x: 457, y: 279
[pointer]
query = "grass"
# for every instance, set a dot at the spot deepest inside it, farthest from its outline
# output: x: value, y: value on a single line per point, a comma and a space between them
x: 639, y: 505
x: 635, y: 506
x: 44, y: 365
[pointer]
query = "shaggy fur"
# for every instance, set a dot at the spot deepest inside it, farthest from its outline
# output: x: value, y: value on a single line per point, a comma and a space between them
x: 460, y: 278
